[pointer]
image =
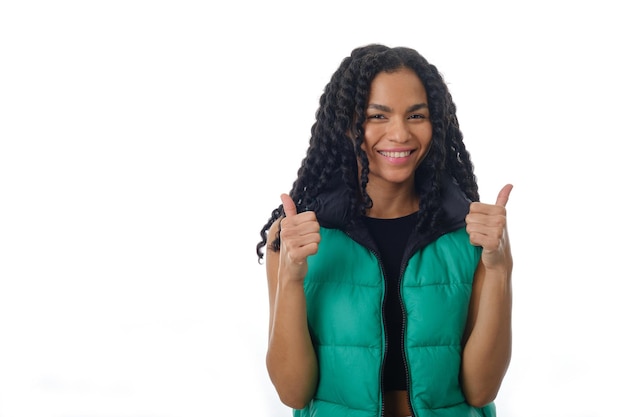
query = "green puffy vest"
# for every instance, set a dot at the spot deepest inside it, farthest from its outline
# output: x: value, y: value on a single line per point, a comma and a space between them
x: 344, y: 290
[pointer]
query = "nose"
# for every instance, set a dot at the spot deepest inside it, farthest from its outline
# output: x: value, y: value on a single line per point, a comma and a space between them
x: 398, y: 130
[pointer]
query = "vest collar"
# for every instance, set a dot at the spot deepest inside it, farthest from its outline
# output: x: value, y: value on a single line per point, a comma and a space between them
x: 331, y: 208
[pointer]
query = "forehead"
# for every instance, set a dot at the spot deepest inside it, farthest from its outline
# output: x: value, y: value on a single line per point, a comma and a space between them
x: 402, y: 84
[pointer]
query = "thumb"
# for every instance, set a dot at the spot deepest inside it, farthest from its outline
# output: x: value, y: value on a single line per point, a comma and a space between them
x: 288, y: 205
x: 503, y: 195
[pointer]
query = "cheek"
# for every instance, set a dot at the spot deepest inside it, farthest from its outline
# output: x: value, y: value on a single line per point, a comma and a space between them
x: 369, y: 137
x: 425, y: 134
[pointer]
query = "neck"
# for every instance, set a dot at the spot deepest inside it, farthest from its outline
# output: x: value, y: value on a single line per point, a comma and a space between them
x: 393, y: 203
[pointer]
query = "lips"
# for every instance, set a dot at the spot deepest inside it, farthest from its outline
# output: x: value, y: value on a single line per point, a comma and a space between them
x: 395, y: 154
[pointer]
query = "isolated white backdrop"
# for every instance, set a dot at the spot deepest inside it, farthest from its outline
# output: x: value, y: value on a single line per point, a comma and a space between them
x: 144, y: 144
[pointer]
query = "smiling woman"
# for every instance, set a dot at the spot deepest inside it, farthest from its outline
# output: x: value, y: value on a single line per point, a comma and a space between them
x: 398, y: 135
x: 389, y: 283
x: 143, y: 145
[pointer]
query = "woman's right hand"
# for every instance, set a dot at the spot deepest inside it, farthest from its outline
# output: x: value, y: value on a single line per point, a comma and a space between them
x: 291, y: 359
x: 299, y: 239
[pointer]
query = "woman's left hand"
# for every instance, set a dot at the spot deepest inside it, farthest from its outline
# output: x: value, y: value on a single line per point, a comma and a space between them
x: 486, y: 226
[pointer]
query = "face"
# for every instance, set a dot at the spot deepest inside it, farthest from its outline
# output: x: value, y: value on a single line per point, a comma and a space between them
x: 397, y: 129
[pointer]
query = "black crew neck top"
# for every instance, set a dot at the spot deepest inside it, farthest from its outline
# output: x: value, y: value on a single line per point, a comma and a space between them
x: 391, y: 236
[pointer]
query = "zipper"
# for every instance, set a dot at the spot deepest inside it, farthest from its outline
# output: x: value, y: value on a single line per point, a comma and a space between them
x: 403, y: 341
x: 403, y: 333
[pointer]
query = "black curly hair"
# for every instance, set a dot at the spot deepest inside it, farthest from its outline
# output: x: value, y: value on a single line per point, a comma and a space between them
x: 337, y: 136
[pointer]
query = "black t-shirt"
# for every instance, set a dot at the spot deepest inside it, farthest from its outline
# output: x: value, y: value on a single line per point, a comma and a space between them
x: 391, y: 236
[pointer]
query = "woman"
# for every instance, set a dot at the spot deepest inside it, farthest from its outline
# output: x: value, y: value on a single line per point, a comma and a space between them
x: 389, y: 283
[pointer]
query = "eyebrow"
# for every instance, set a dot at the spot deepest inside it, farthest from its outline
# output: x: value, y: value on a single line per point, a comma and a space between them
x: 384, y: 108
x: 415, y: 107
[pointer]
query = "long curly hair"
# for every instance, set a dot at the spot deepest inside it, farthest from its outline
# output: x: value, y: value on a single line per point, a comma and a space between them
x: 337, y: 135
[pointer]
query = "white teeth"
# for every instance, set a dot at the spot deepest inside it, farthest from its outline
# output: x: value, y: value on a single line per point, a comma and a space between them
x: 395, y: 154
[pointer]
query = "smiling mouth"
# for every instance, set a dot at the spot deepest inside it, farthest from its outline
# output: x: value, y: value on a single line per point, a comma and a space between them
x: 402, y: 154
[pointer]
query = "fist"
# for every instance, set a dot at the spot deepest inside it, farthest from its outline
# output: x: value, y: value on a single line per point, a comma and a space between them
x: 486, y: 226
x: 299, y: 239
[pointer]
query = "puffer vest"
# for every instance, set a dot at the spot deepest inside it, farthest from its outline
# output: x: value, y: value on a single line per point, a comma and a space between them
x: 345, y: 290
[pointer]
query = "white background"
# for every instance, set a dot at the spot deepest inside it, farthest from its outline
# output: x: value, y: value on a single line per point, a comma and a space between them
x: 145, y: 143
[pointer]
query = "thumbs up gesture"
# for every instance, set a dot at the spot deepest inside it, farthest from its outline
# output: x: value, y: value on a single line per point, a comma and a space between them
x: 486, y: 226
x: 299, y: 239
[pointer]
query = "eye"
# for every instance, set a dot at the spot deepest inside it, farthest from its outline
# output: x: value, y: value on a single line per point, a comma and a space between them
x: 376, y: 116
x: 417, y: 116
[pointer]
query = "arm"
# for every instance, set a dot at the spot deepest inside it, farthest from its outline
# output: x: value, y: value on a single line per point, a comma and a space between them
x: 291, y: 360
x: 487, y: 350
